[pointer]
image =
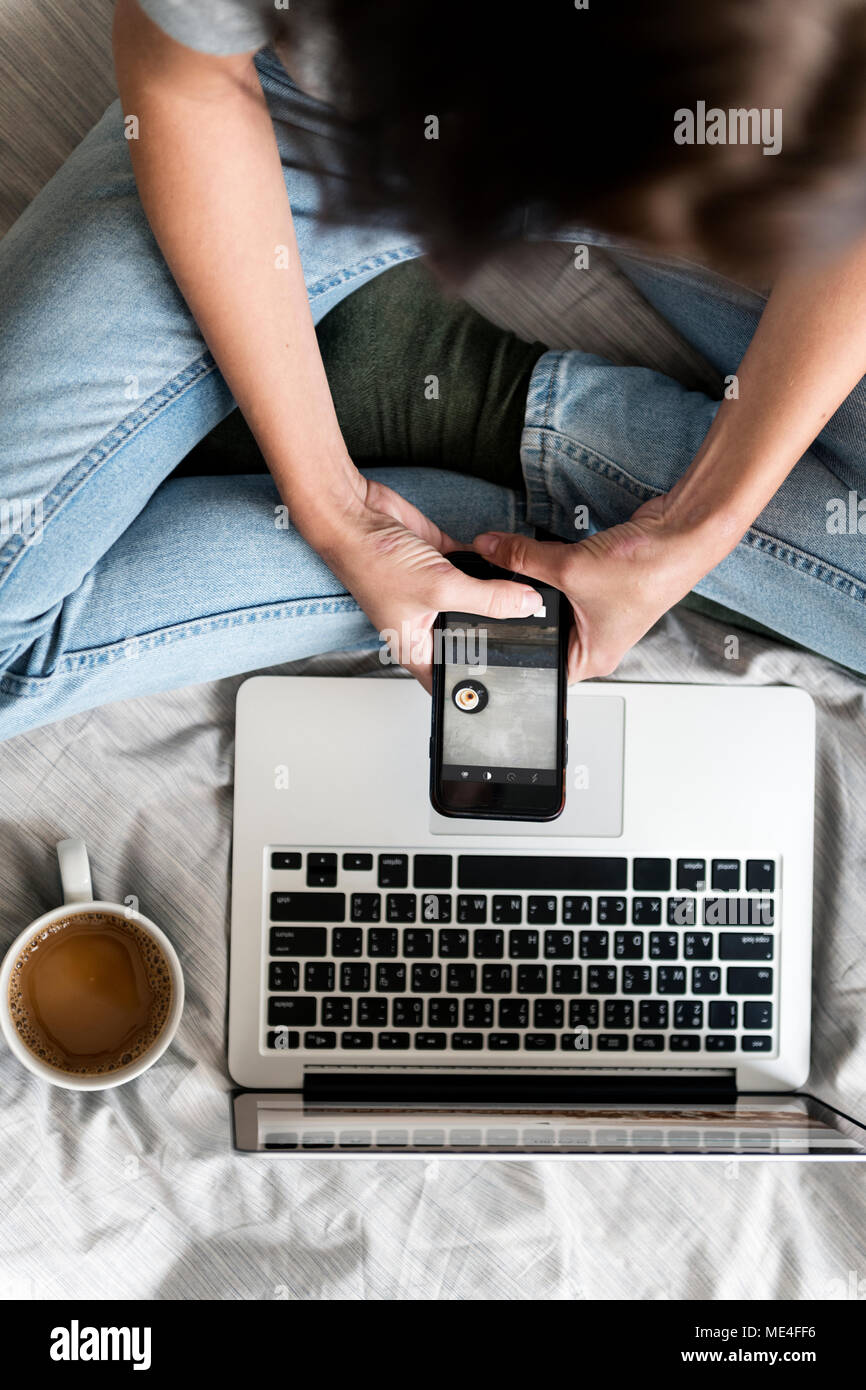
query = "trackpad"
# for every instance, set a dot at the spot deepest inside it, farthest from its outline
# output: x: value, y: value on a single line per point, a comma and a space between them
x: 594, y: 779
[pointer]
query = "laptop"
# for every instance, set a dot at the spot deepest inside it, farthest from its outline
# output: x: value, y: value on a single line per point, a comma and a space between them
x: 632, y: 979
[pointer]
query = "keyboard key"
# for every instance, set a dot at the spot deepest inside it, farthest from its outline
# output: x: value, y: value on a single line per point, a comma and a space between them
x: 507, y: 910
x: 442, y: 1013
x: 577, y: 912
x: 313, y: 1041
x: 559, y: 945
x: 432, y: 871
x: 354, y: 978
x: 348, y: 941
x: 284, y: 976
x: 417, y: 942
x: 653, y: 1013
x: 427, y: 979
x: 382, y: 941
x: 760, y: 875
x: 758, y: 1015
x: 723, y: 1014
x: 558, y: 872
x: 681, y: 912
x: 636, y: 979
x: 408, y: 1013
x: 355, y: 863
x: 541, y: 912
x: 477, y: 1013
x: 720, y: 1042
x: 390, y: 978
x: 467, y: 1042
x: 726, y: 875
x: 594, y: 945
x: 496, y: 979
x: 583, y: 1013
x: 706, y: 979
x: 523, y: 945
x: 548, y: 1013
x: 540, y: 1042
x: 581, y: 1041
x: 488, y: 945
x: 354, y: 1042
x: 319, y: 976
x: 503, y: 1042
x: 646, y: 912
x: 514, y: 1013
x: 735, y: 946
x: 743, y: 979
x: 698, y: 945
x: 337, y: 1013
x: 365, y: 907
x: 610, y: 911
x: 651, y: 875
x: 691, y: 875
x: 461, y: 979
x: 601, y: 979
x: 566, y: 979
x: 663, y: 946
x: 738, y: 912
x: 471, y: 909
x: 372, y: 1013
x: 628, y: 945
x: 298, y: 941
x: 321, y: 870
x: 671, y: 979
x: 400, y: 907
x: 648, y: 1042
x: 688, y: 1013
x: 435, y: 907
x: 283, y: 1040
x: 285, y: 859
x: 431, y: 1042
x: 393, y: 1042
x: 308, y: 907
x: 453, y: 942
x: 618, y: 1013
x: 393, y: 870
x: 288, y: 1013
x: 532, y: 979
x: 684, y: 1042
x: 612, y: 1042
x: 755, y: 1042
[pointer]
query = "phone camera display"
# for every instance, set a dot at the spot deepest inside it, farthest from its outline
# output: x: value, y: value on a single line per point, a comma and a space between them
x: 470, y: 696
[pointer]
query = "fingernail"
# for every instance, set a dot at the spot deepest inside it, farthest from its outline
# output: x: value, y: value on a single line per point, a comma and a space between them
x: 487, y: 543
x: 531, y: 602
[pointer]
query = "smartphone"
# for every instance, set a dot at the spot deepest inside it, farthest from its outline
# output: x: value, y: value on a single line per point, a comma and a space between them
x: 498, y: 745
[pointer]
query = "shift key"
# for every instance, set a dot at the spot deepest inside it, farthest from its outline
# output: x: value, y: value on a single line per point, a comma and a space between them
x: 308, y: 907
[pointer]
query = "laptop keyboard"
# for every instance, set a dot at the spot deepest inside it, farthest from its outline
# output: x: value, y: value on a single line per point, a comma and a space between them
x: 485, y: 955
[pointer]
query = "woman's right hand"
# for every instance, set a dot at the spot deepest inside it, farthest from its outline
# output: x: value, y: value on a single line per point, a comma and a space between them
x: 392, y: 559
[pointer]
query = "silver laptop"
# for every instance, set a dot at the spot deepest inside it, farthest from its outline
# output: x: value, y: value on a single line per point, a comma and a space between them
x: 631, y: 979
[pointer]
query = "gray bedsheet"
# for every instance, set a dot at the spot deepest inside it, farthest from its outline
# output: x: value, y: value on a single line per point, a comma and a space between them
x: 136, y: 1193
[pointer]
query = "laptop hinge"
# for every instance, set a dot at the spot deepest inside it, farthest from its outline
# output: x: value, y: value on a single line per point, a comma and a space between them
x: 359, y: 1088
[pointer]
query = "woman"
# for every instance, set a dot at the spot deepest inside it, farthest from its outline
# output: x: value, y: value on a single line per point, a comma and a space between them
x: 138, y: 310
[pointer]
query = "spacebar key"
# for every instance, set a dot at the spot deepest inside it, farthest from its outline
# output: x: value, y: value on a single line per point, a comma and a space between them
x: 540, y: 871
x: 308, y: 907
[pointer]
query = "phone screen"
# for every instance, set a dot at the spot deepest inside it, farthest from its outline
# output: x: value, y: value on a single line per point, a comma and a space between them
x: 501, y: 711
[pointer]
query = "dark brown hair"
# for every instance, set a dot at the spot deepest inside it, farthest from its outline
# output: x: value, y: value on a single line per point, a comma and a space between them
x: 571, y: 111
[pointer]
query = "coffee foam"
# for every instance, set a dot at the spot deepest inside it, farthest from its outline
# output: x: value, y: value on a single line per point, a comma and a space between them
x: 159, y: 980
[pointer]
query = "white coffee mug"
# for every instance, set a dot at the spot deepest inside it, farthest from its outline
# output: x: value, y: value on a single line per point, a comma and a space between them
x: 78, y: 899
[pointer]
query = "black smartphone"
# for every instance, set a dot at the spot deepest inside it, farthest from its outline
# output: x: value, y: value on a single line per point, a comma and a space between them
x: 498, y: 745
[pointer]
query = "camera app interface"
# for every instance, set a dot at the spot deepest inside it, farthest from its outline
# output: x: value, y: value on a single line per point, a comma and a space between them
x: 500, y: 712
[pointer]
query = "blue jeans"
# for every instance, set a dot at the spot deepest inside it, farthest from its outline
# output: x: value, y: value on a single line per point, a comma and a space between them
x: 118, y: 580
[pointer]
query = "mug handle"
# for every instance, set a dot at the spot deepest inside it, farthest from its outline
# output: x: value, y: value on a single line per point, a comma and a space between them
x: 74, y: 871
